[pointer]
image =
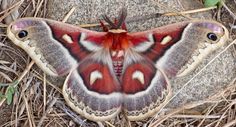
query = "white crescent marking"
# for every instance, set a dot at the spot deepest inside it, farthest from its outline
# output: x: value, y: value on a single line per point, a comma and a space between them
x: 138, y: 75
x: 94, y: 76
x: 166, y: 39
x: 67, y: 38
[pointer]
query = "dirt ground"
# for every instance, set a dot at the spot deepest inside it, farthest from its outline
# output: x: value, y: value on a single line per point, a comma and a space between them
x: 37, y: 99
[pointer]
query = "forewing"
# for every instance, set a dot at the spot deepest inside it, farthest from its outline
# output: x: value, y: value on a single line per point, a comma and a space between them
x: 179, y: 48
x: 56, y: 47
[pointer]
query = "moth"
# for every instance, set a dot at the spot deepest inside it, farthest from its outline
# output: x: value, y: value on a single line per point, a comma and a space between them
x: 115, y: 70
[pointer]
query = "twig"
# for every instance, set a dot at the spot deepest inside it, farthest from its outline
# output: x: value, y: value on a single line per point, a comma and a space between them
x: 187, y: 106
x: 71, y: 114
x: 13, y: 9
x: 28, y: 111
x: 49, y: 83
x: 91, y: 25
x: 26, y: 71
x: 13, y: 6
x: 169, y: 14
x: 230, y: 124
x: 44, y: 93
x: 196, y: 116
x: 51, y: 104
x: 230, y: 12
x: 3, y: 25
x: 208, y: 112
x: 110, y: 124
x: 68, y: 14
x: 189, y: 11
x: 38, y: 7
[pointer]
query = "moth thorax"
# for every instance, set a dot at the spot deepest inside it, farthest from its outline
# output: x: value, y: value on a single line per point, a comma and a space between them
x: 117, y: 61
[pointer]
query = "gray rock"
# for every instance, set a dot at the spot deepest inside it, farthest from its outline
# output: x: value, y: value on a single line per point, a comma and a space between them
x: 89, y: 11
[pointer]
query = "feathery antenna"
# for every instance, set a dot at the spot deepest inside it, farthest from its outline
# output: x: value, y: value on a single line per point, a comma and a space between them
x: 121, y: 19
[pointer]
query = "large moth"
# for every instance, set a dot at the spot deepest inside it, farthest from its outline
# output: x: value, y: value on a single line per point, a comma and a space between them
x: 113, y: 71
